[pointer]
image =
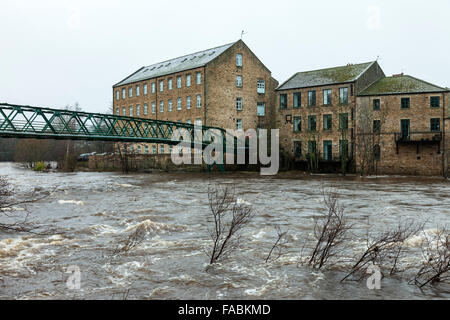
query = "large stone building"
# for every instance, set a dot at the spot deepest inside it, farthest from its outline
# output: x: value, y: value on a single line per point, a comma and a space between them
x: 226, y: 86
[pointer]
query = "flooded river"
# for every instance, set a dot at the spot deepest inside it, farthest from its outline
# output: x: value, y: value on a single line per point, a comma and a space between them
x: 90, y: 213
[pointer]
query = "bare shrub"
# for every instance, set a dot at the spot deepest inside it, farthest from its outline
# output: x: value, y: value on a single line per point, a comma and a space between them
x: 330, y: 231
x: 436, y: 260
x: 229, y: 217
x: 132, y: 241
x: 278, y: 245
x: 384, y: 249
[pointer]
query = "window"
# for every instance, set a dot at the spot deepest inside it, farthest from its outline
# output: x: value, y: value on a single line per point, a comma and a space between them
x: 297, y: 148
x: 118, y: 111
x: 138, y: 110
x: 124, y: 93
x: 327, y: 150
x: 343, y: 148
x: 343, y: 121
x: 312, y: 147
x: 239, y: 60
x: 179, y: 82
x: 188, y: 102
x: 343, y: 95
x: 435, y: 125
x: 311, y: 98
x: 161, y: 149
x: 161, y: 86
x: 199, y: 101
x: 161, y: 106
x: 131, y: 111
x: 179, y: 104
x: 154, y: 149
x: 434, y: 102
x: 261, y: 86
x: 169, y: 84
x: 239, y: 104
x: 199, y: 78
x: 130, y: 92
x: 153, y: 107
x: 198, y: 122
x: 261, y: 109
x: 170, y: 149
x: 188, y: 80
x: 170, y: 105
x: 124, y: 111
x: 146, y: 150
x: 188, y: 121
x: 239, y: 81
x: 283, y: 101
x: 377, y: 152
x: 297, y: 124
x: 145, y: 90
x: 139, y: 150
x: 405, y: 102
x: 239, y: 124
x: 153, y: 87
x: 131, y: 150
x: 312, y: 123
x: 327, y: 122
x: 376, y: 125
x: 117, y: 95
x: 376, y: 104
x: 297, y: 100
x: 138, y: 91
x: 327, y: 97
x: 145, y: 109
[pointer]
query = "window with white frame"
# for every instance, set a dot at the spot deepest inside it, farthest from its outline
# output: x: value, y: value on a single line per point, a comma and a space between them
x: 153, y: 87
x: 124, y: 93
x: 131, y: 111
x: 239, y: 81
x: 117, y: 95
x: 170, y: 105
x: 169, y: 84
x: 239, y: 104
x: 146, y: 149
x: 261, y: 86
x: 188, y: 102
x: 189, y: 121
x: 239, y: 124
x: 179, y: 82
x: 145, y: 89
x: 239, y: 60
x: 188, y: 80
x: 138, y: 91
x: 145, y: 109
x: 139, y: 150
x: 199, y: 78
x: 118, y: 111
x: 154, y: 149
x: 198, y: 122
x: 261, y: 109
x: 124, y: 111
x: 161, y: 86
x: 179, y: 104
x: 161, y: 106
x: 130, y: 92
x: 138, y: 110
x: 153, y: 107
x: 199, y: 101
x: 161, y: 149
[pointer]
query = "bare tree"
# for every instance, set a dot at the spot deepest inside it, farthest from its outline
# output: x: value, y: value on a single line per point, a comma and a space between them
x: 132, y: 241
x: 229, y: 216
x: 385, y: 248
x: 278, y: 245
x: 436, y: 260
x: 330, y: 231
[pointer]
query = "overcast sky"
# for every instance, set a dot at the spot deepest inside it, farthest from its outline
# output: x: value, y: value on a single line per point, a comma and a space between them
x: 58, y: 52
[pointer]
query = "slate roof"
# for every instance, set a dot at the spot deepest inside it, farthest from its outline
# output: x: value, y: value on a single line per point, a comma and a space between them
x: 322, y: 77
x: 400, y: 84
x: 190, y: 61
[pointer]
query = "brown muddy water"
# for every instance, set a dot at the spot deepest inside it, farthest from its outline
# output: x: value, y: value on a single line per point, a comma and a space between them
x: 93, y: 212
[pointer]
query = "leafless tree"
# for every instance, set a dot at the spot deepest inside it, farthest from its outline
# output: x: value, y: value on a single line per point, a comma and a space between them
x: 436, y: 260
x: 132, y: 241
x: 384, y: 249
x: 229, y: 216
x: 330, y: 231
x: 278, y: 245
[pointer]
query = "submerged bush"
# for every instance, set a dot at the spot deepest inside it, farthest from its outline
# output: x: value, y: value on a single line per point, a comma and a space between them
x: 39, y: 166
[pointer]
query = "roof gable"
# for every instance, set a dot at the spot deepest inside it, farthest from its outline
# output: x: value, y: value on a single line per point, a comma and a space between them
x: 400, y: 84
x: 187, y: 62
x: 343, y: 74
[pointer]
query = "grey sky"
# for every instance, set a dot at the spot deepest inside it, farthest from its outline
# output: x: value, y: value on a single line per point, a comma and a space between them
x: 57, y: 52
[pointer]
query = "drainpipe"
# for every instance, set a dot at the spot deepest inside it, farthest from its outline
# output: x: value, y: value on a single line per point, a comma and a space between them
x: 443, y: 134
x: 204, y: 93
